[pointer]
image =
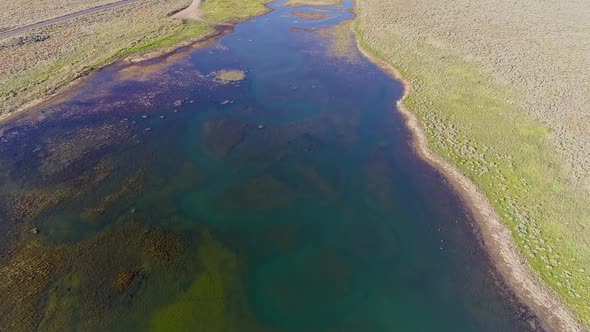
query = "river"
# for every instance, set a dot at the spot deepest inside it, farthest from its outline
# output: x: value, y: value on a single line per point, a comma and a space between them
x: 261, y: 182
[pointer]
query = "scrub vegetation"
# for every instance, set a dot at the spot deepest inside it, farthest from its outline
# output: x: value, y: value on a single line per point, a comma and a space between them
x: 43, y: 60
x: 14, y: 14
x: 514, y: 124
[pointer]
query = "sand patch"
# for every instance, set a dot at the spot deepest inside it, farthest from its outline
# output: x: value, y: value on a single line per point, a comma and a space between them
x: 192, y: 12
x: 226, y: 76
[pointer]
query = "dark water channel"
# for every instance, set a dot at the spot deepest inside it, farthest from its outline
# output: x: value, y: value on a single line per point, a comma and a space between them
x: 171, y: 196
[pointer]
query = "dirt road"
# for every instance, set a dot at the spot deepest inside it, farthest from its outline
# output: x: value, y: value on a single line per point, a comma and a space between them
x: 193, y: 12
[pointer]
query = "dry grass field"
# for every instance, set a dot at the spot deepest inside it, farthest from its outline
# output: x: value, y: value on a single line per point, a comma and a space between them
x: 233, y: 10
x: 300, y: 3
x: 24, y: 12
x: 502, y: 90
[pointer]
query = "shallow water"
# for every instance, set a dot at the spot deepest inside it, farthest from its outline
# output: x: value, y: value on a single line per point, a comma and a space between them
x: 157, y: 197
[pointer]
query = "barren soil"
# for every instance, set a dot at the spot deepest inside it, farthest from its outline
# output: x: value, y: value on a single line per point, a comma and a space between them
x: 192, y: 12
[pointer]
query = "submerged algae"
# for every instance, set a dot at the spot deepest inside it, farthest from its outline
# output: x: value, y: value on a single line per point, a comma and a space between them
x: 133, y: 260
x: 213, y: 300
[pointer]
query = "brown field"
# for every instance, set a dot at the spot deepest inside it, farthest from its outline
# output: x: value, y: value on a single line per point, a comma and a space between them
x: 24, y: 12
x: 502, y: 91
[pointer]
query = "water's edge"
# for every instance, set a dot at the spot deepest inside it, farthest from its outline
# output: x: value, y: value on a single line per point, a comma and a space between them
x: 523, y: 281
x: 59, y: 92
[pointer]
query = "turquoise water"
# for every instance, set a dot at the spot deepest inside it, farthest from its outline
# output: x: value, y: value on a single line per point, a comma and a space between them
x: 161, y: 198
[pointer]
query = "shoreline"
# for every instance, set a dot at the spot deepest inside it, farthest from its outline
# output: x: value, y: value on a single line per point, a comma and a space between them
x: 220, y: 29
x: 498, y: 242
x: 134, y: 59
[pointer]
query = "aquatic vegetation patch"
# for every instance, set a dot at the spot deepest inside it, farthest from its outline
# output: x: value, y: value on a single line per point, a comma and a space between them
x: 124, y: 279
x: 24, y: 279
x: 90, y: 284
x: 59, y: 152
x: 221, y: 135
x: 61, y: 305
x: 213, y: 301
x: 25, y: 204
x: 164, y: 247
x: 29, y: 204
x: 342, y: 41
x: 262, y: 193
x: 144, y: 72
x: 129, y: 186
x: 107, y: 290
x: 312, y: 178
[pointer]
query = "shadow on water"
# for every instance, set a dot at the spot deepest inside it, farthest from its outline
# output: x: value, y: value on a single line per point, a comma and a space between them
x: 261, y: 183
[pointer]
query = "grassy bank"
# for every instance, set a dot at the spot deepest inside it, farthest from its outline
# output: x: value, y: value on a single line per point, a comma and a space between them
x: 233, y: 10
x: 481, y: 125
x: 43, y: 60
